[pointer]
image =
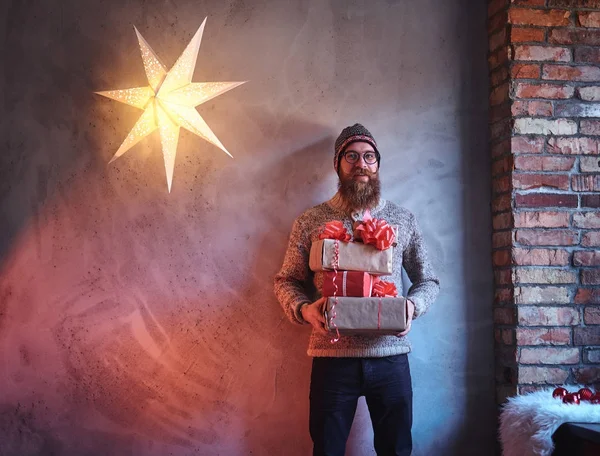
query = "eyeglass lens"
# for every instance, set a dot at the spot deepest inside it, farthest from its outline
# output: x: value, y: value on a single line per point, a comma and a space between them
x: 369, y: 157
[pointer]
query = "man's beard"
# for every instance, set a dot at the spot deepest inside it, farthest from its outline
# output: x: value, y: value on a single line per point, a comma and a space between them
x: 360, y: 195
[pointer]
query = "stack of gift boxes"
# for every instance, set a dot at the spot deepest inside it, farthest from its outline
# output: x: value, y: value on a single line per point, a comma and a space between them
x: 358, y: 300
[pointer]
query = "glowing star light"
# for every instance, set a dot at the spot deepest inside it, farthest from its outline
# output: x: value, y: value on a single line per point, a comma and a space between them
x: 169, y: 101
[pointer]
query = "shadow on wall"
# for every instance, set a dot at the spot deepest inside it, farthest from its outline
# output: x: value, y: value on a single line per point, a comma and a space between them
x: 158, y: 340
x: 222, y: 360
x: 48, y: 122
x: 147, y: 362
x: 480, y: 410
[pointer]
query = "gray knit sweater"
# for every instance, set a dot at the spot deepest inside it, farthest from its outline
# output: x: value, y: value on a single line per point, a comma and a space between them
x: 293, y: 282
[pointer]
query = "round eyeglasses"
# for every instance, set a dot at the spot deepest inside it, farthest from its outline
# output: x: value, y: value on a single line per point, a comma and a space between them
x: 370, y: 158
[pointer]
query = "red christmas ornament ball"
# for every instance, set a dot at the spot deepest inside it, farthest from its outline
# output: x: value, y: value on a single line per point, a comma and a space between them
x: 559, y: 393
x: 585, y: 394
x: 571, y: 398
x: 595, y: 399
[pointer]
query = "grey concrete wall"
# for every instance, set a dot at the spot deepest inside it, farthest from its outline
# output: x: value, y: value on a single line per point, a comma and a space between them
x: 137, y: 322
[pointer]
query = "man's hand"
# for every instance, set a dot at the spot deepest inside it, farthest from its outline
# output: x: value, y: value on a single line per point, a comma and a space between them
x: 410, y: 311
x: 313, y: 314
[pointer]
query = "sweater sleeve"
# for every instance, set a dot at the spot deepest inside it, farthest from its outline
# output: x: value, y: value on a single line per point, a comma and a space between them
x: 290, y: 282
x: 425, y: 284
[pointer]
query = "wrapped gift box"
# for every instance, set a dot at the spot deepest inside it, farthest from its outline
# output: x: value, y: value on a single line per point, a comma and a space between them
x: 349, y: 283
x: 353, y: 256
x: 366, y: 315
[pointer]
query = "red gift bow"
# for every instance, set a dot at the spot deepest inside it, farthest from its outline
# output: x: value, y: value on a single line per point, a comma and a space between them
x: 335, y: 230
x: 383, y: 289
x: 377, y: 233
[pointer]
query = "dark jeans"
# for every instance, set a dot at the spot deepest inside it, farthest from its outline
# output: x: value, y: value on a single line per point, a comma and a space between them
x: 337, y: 383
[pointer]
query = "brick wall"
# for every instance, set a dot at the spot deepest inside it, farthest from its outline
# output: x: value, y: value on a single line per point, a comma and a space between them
x: 544, y: 63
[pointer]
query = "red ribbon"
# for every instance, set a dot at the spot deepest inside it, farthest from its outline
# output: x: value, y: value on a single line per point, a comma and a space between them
x: 335, y: 230
x: 336, y: 264
x: 383, y: 289
x: 377, y: 233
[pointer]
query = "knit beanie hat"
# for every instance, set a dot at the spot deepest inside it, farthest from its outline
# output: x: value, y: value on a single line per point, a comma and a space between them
x: 350, y: 135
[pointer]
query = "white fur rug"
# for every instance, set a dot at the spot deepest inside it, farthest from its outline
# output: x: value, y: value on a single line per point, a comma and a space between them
x: 527, y: 422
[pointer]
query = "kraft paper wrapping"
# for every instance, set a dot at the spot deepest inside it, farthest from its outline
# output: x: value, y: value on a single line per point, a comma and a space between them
x: 367, y: 315
x: 354, y: 256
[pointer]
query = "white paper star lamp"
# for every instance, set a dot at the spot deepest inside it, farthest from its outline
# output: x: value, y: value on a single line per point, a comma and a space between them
x: 169, y: 101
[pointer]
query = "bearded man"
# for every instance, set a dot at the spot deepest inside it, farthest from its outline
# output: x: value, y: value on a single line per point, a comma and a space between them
x: 371, y: 365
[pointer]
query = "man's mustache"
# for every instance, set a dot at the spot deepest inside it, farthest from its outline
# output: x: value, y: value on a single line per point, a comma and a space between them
x: 363, y: 172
